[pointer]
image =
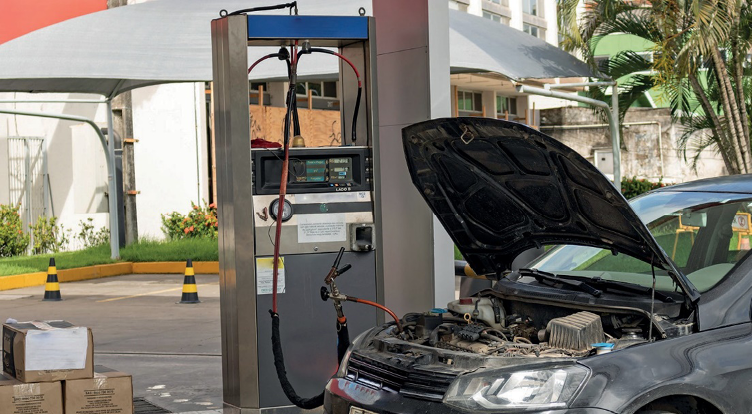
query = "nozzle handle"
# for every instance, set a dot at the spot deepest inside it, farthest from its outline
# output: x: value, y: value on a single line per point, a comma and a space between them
x: 325, y: 293
x: 338, y: 258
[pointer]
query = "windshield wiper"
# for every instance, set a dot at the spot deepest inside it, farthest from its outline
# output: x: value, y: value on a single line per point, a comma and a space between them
x: 552, y: 279
x: 628, y: 287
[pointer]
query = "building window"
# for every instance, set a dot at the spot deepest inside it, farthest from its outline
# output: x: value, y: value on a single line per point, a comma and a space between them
x: 318, y: 89
x: 507, y: 104
x: 493, y: 16
x: 532, y: 30
x: 531, y: 7
x: 469, y: 101
x: 254, y: 86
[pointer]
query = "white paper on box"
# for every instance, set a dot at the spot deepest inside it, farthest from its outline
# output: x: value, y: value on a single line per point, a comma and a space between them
x: 264, y: 273
x: 56, y: 349
x: 321, y: 228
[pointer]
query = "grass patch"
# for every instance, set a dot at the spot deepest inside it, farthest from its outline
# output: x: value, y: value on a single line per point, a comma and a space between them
x: 66, y: 260
x: 202, y: 250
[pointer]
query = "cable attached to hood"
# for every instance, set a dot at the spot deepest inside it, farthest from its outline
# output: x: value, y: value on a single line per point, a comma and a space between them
x: 293, y: 6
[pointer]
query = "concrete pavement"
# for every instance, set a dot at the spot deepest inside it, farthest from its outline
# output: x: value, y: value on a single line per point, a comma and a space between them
x: 173, y: 351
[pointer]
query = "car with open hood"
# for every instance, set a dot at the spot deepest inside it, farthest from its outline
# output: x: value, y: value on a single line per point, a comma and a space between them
x: 640, y: 306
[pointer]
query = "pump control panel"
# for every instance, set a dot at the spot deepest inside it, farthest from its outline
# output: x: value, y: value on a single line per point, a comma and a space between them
x: 328, y: 203
x: 313, y: 170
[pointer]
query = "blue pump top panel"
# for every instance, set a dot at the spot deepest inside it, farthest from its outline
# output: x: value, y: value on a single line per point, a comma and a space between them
x: 327, y: 28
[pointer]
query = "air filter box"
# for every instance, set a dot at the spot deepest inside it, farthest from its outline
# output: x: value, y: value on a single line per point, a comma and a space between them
x: 577, y: 331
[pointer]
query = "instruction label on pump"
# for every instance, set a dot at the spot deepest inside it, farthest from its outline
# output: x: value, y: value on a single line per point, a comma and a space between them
x: 264, y: 274
x: 321, y: 228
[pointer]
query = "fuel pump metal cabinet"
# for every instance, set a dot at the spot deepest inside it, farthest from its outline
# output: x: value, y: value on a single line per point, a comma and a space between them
x: 330, y: 204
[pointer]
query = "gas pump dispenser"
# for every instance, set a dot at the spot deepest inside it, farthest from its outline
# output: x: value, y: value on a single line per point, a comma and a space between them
x: 328, y: 211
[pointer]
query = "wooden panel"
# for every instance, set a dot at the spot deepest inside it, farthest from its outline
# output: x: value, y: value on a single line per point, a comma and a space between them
x: 318, y: 128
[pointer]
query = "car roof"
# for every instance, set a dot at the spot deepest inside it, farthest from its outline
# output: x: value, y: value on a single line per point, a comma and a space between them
x: 727, y: 184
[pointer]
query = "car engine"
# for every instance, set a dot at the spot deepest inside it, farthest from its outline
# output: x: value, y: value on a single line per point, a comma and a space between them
x: 487, y: 326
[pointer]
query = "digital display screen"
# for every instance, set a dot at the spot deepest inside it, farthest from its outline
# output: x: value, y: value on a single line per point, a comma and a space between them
x: 328, y: 170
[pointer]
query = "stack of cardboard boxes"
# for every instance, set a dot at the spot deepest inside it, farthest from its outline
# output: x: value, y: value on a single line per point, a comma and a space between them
x: 49, y: 369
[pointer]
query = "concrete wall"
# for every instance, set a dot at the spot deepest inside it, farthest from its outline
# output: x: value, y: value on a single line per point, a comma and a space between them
x: 646, y: 152
x: 170, y: 124
x: 75, y: 157
x: 171, y: 156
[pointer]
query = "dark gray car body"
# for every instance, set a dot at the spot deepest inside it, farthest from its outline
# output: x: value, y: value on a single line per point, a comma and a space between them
x: 709, y: 369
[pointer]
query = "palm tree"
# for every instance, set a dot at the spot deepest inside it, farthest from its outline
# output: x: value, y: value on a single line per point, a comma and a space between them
x: 699, y: 63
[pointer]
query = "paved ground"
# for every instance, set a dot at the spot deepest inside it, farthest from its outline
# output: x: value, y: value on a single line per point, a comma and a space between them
x: 173, y: 351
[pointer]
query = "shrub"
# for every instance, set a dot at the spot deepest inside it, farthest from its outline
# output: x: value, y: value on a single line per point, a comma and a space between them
x: 13, y: 240
x: 632, y: 187
x: 89, y: 237
x: 199, y: 222
x: 49, y: 237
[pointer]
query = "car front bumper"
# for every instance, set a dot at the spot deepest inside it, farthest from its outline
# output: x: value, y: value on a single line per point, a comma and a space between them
x: 341, y: 394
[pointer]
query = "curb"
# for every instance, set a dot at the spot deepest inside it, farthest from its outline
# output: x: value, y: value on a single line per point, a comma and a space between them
x: 106, y: 270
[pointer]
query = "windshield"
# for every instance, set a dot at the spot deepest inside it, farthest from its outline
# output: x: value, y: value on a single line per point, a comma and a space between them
x: 705, y: 234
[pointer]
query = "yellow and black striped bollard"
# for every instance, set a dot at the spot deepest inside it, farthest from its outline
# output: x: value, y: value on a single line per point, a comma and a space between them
x: 190, y: 293
x: 52, y: 287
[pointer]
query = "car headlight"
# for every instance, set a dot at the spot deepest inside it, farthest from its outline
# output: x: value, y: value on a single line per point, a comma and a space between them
x: 547, y: 388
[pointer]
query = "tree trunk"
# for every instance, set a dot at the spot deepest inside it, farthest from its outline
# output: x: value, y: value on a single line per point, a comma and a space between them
x: 730, y: 114
x: 737, y: 58
x: 724, y: 145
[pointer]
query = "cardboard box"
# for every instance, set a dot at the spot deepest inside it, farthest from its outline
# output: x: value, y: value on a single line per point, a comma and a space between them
x: 17, y: 397
x: 109, y: 392
x: 47, y: 351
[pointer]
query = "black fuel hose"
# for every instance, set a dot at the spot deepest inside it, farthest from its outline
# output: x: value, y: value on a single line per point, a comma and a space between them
x: 343, y: 342
x: 358, y: 78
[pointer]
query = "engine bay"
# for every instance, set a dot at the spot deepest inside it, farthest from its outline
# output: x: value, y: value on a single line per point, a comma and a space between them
x: 491, y: 326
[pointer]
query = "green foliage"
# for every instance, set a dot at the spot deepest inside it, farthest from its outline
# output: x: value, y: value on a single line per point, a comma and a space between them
x: 707, y: 90
x: 90, y: 237
x: 200, y: 222
x: 13, y: 240
x: 632, y: 187
x: 49, y: 237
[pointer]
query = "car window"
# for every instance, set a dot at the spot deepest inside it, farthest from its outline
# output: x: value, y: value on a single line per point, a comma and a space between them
x: 705, y: 234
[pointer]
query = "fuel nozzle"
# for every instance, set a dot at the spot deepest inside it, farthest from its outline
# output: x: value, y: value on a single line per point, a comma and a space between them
x: 334, y: 271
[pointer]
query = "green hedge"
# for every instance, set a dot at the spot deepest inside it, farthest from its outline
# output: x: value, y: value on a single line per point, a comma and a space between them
x: 632, y: 187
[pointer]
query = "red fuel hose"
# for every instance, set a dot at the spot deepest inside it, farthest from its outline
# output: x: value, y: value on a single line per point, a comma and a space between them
x: 284, y: 174
x: 262, y: 59
x: 382, y: 307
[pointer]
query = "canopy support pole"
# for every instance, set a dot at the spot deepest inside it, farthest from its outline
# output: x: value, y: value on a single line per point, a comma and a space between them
x: 114, y: 231
x: 612, y: 114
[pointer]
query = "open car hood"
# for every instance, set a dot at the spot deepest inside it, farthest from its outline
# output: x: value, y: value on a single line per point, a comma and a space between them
x: 500, y: 188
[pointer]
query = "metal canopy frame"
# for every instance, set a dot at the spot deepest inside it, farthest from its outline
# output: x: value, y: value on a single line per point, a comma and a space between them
x: 612, y: 113
x: 109, y: 148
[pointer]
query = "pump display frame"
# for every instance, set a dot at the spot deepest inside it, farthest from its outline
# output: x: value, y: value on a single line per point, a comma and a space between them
x: 244, y: 320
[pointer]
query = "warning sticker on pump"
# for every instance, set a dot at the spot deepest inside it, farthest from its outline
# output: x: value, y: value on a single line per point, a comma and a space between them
x: 321, y: 228
x: 264, y: 273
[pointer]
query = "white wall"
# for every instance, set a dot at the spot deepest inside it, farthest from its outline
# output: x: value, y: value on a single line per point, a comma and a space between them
x: 76, y: 162
x: 170, y: 123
